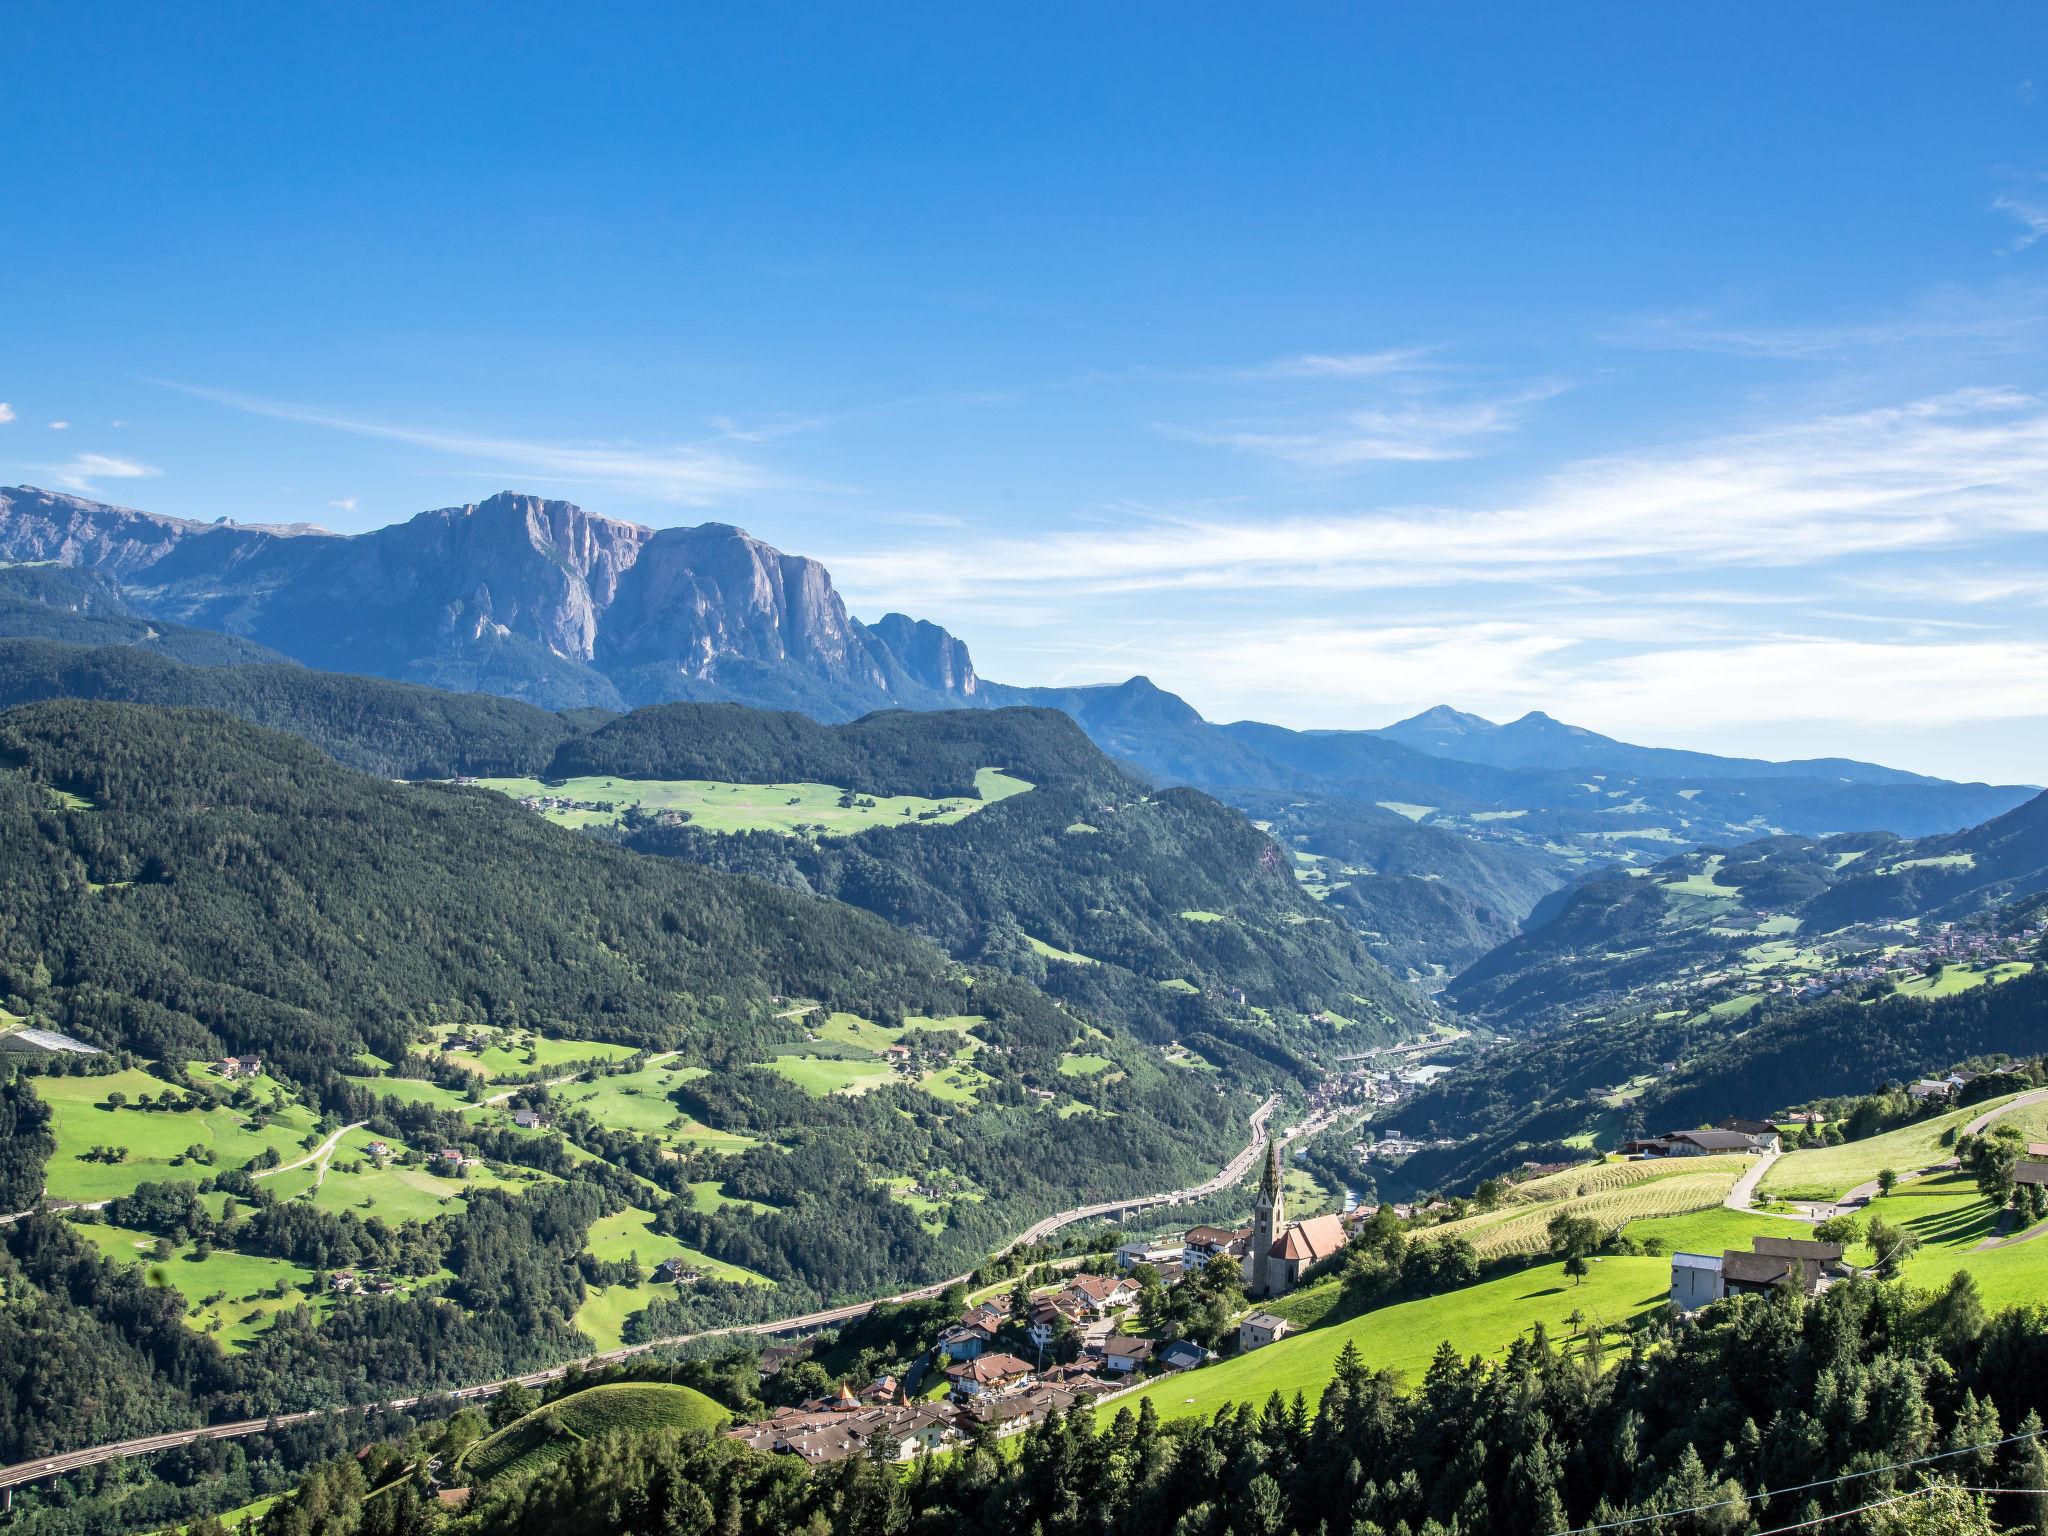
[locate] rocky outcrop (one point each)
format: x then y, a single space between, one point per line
520 595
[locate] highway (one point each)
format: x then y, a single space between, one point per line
808 1322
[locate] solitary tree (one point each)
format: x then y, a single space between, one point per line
1887 1180
1573 1238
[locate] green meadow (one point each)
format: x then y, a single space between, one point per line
515 1054
810 809
229 1296
1826 1173
155 1140
629 1234
398 1190
530 1444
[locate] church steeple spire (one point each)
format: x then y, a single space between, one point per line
1268 1221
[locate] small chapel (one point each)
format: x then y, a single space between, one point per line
1279 1253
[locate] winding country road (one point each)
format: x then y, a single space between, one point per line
1742 1197
71 1461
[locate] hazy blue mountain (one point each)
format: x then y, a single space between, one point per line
1538 741
79 607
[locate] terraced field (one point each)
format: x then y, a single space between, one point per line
1612 1194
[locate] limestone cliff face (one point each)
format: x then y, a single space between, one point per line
518 594
934 658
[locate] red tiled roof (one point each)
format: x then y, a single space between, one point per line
989 1369
1313 1240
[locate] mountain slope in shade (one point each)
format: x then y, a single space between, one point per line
517 595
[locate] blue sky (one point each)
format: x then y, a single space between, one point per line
1676 370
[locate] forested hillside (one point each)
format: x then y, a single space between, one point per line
394 730
1791 913
1525 1100
176 886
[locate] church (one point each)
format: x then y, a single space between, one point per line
1279 1254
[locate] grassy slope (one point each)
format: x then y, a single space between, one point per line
1823 1173
153 1137
251 1282
719 806
527 1444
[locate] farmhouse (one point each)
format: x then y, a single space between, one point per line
1201 1244
677 1271
1261 1329
1123 1354
1699 1278
379 1149
1279 1254
232 1067
528 1119
1104 1293
987 1373
1746 1127
2030 1171
1701 1143
1181 1355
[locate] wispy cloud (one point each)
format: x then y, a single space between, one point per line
60 426
1407 431
686 473
2007 319
2029 207
1342 365
345 504
6 413
1940 472
80 472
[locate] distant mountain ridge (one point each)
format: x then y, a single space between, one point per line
1436 836
516 595
1538 741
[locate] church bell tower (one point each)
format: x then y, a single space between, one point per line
1268 1219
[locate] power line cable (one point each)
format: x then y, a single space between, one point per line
1824 1482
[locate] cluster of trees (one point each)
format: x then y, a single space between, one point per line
1994 1159
394 730
892 752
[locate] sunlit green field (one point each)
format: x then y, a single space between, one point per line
1826 1173
524 1053
156 1140
399 1191
612 1238
632 1101
256 1289
812 809
822 1075
1480 1320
